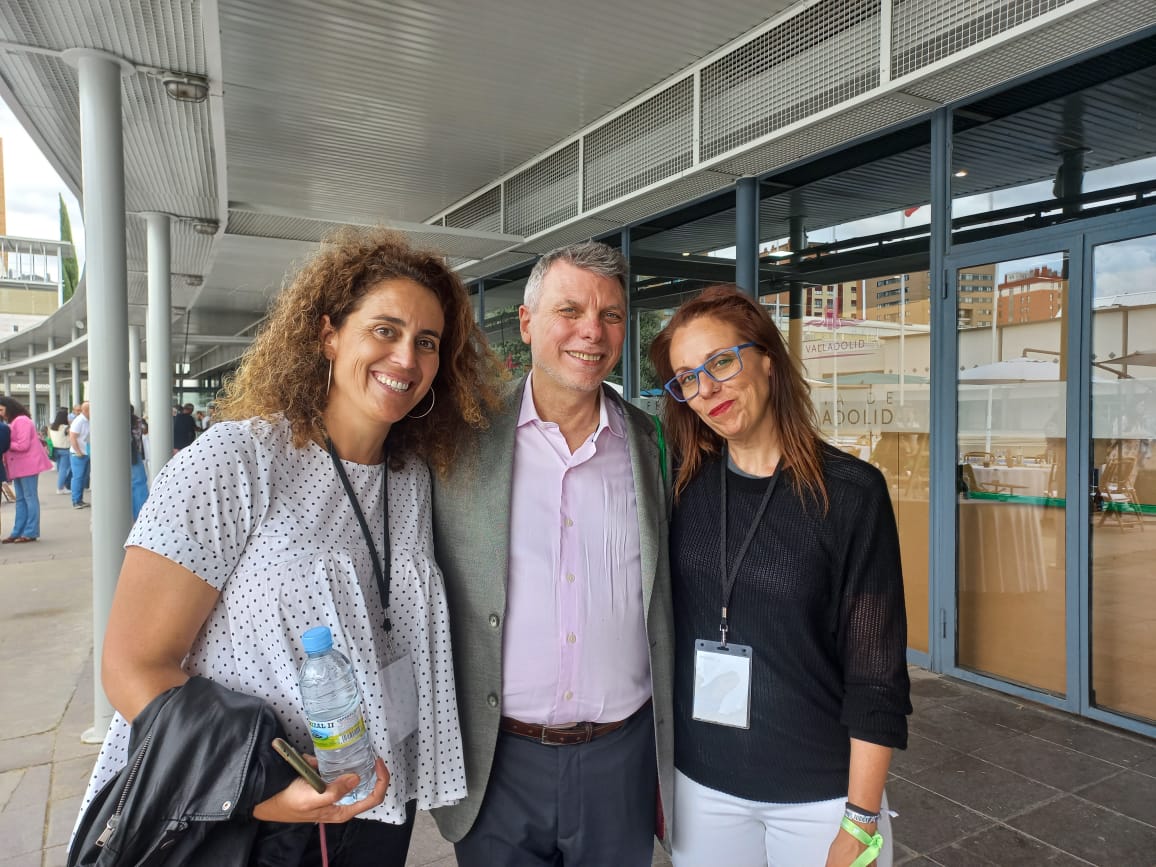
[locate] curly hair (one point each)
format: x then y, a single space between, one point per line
692 440
285 373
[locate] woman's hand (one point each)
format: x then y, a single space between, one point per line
299 803
845 848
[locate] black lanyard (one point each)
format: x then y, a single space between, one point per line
729 575
381 574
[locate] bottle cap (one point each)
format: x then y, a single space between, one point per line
317 640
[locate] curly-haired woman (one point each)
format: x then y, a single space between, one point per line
308 503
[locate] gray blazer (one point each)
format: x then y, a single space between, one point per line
471 516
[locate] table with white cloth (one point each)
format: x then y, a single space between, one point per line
1001 547
1026 481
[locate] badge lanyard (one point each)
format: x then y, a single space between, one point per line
380 572
729 575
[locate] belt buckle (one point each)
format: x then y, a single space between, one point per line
556 737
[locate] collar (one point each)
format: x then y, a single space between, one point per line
610 414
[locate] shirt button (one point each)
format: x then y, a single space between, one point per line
571 638
569 522
494 620
492 700
568 695
570 578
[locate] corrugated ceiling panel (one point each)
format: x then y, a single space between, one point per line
572 233
483 213
495 264
442 88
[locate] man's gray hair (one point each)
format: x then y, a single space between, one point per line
592 256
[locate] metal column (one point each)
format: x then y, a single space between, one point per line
482 304
160 347
102 159
134 338
32 389
630 348
795 324
747 235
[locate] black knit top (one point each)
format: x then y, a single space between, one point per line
819 599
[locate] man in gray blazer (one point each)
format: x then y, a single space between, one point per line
552 535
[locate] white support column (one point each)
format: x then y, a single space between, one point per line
8 383
134 396
160 346
75 373
53 397
102 160
32 389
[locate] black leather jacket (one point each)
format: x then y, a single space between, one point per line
199 761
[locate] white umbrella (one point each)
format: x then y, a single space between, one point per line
1020 370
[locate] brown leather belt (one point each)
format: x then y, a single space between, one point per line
564 736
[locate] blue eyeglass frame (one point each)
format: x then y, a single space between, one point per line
701 369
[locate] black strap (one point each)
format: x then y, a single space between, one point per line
729 575
381 574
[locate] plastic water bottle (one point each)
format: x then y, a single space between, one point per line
333 711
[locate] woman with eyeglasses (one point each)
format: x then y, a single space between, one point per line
791 685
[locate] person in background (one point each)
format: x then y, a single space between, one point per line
78 433
25 460
791 686
61 448
5 444
184 428
140 477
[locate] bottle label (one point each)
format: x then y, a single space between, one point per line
338 733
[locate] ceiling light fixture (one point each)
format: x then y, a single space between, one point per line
186 86
962 173
205 227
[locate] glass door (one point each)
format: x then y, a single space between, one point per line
1122 522
1011 459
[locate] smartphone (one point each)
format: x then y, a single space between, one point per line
302 767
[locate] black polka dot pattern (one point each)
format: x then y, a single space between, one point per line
270 526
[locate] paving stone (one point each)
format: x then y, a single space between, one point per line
1148 767
1007 711
29 859
24 752
427 844
952 728
57 856
61 820
32 790
8 782
22 829
1001 847
1129 793
1098 742
1047 762
70 777
926 685
927 821
1090 832
921 753
984 787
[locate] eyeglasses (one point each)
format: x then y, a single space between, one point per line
723 365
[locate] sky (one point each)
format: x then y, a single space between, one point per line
31 188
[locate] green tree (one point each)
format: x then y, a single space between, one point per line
70 270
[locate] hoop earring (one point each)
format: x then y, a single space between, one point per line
433 399
329 381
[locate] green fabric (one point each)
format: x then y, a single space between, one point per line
873 842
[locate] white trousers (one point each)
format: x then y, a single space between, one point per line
713 829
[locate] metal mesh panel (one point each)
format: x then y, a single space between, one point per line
825 55
483 213
543 195
1071 35
858 121
669 196
924 31
652 141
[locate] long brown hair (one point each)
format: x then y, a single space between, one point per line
692 441
285 372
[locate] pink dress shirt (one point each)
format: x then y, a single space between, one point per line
574 644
